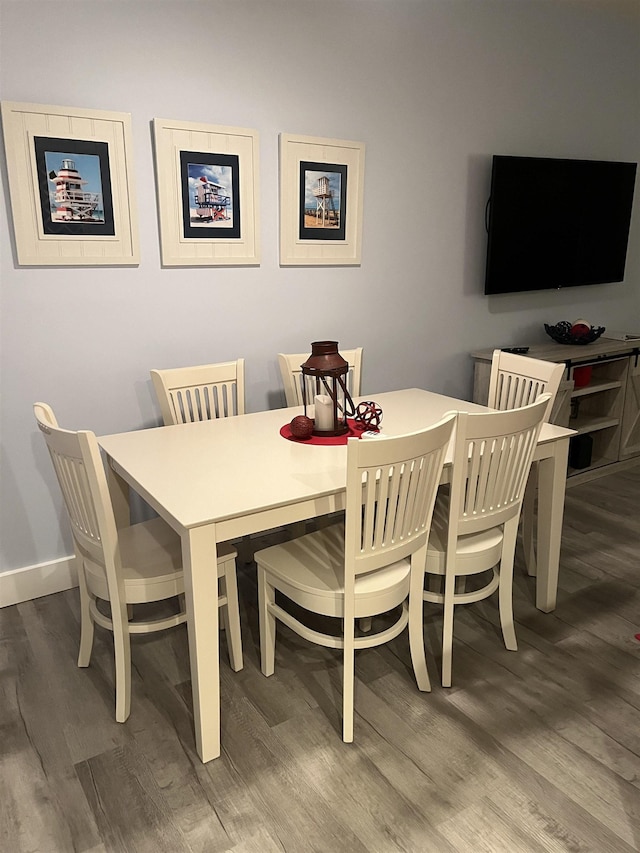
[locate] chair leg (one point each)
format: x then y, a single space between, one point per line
122 653
348 679
231 616
86 621
447 626
266 598
505 590
416 630
528 520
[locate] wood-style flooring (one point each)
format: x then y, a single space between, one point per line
535 750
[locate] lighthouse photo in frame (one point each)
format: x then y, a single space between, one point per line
210 195
71 182
208 204
74 181
321 201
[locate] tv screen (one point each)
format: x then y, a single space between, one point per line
556 223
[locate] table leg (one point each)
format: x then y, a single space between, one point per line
119 492
201 594
529 521
552 479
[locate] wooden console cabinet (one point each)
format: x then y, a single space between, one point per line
607 408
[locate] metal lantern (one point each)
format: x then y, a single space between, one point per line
324 389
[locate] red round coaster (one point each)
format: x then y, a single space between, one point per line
285 432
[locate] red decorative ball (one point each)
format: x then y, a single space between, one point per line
301 427
580 328
368 415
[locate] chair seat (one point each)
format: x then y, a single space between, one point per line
474 551
151 554
310 571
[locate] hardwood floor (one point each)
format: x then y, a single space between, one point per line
535 750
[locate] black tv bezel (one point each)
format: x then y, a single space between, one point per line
496 286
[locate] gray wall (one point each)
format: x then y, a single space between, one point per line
433 87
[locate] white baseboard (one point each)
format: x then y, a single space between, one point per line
35 581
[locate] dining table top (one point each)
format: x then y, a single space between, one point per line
209 471
221 479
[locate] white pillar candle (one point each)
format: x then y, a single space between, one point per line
323 409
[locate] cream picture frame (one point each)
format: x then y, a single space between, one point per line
222 229
321 201
59 217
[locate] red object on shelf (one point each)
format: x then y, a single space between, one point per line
580 328
582 375
354 431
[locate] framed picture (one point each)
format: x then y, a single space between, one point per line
207 178
321 201
71 185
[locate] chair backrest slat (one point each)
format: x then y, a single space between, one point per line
81 476
493 454
76 493
391 490
517 380
200 393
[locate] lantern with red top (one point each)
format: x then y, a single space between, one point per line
324 389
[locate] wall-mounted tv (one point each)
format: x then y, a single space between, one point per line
556 223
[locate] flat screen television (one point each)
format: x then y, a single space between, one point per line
556 223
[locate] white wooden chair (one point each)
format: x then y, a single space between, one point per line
128 566
515 381
475 520
290 369
200 393
369 565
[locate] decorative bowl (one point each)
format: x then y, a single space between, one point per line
562 334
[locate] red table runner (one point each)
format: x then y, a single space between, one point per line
354 432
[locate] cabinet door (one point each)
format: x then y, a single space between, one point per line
481 376
630 439
562 404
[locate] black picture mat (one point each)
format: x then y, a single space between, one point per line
42 144
322 233
210 159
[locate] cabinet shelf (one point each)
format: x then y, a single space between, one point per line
590 424
594 387
606 409
595 463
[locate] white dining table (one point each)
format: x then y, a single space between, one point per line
222 479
